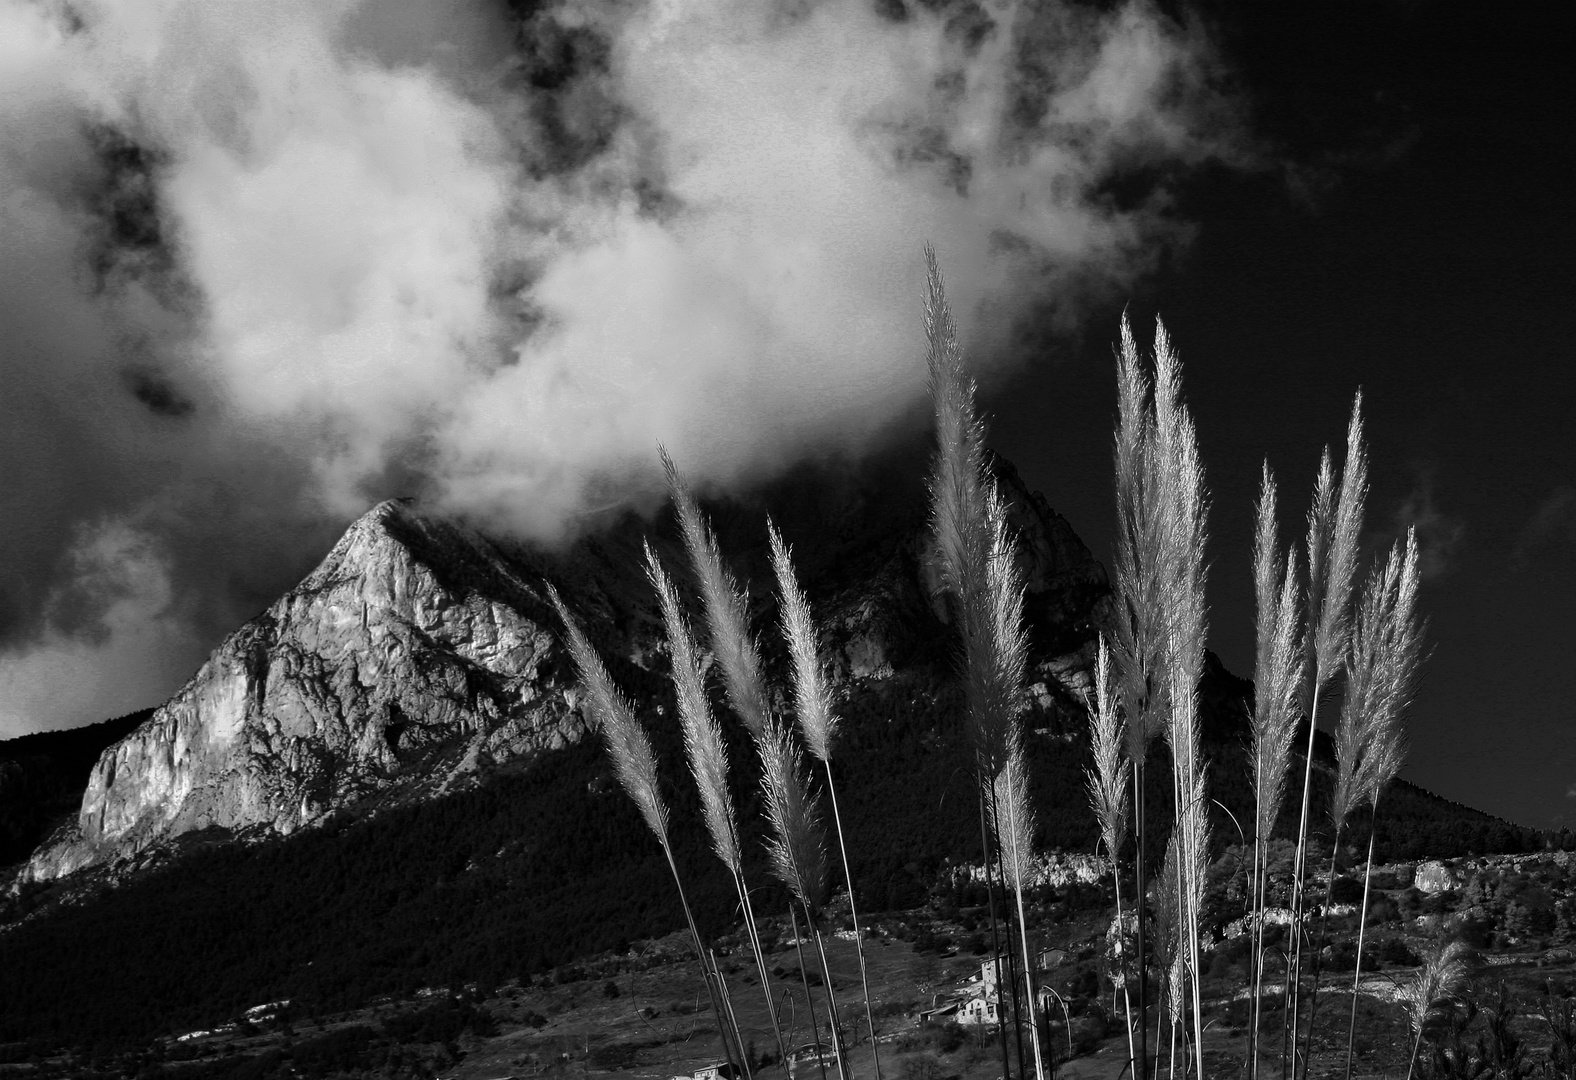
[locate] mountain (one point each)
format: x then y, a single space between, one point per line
419 653
383 782
411 638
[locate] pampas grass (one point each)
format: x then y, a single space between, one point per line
1180 489
797 850
1334 525
1014 835
709 764
979 573
818 725
636 768
727 614
1161 624
1383 663
1107 783
1438 985
1277 678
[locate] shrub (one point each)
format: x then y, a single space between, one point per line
1346 891
1396 951
951 1037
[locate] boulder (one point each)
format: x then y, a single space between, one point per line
1434 877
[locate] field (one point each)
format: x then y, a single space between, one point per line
644 1014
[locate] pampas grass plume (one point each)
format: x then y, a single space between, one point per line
627 744
1112 772
702 737
812 693
727 613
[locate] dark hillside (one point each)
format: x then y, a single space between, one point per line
539 867
43 776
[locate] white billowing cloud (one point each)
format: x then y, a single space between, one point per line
382 258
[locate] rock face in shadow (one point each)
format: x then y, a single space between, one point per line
420 654
413 636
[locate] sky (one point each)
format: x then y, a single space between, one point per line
263 265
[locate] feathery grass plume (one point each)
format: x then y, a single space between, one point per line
1144 581
1112 771
960 492
818 724
636 768
1277 678
627 744
1334 526
1329 636
955 482
1165 898
798 848
1107 783
702 737
1278 665
727 609
1385 655
1139 632
1437 987
1015 836
708 759
967 542
1179 492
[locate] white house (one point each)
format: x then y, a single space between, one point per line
721 1070
979 1010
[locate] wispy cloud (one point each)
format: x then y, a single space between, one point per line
1551 524
1439 535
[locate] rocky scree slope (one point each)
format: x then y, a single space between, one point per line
419 654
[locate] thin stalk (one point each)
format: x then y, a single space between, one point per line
1140 909
995 942
1007 953
1294 967
1127 1001
1256 914
727 1000
1023 935
831 1003
1318 950
760 964
723 1026
1411 1065
1362 926
1258 985
809 1002
853 914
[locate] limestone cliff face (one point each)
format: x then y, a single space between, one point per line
411 638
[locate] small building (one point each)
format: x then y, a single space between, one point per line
992 972
721 1070
805 1061
978 1010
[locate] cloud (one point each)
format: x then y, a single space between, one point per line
268 263
1439 535
1551 524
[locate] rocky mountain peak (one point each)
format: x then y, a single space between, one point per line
413 637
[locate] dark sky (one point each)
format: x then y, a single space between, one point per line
263 265
1417 241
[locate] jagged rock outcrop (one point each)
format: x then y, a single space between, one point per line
413 636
